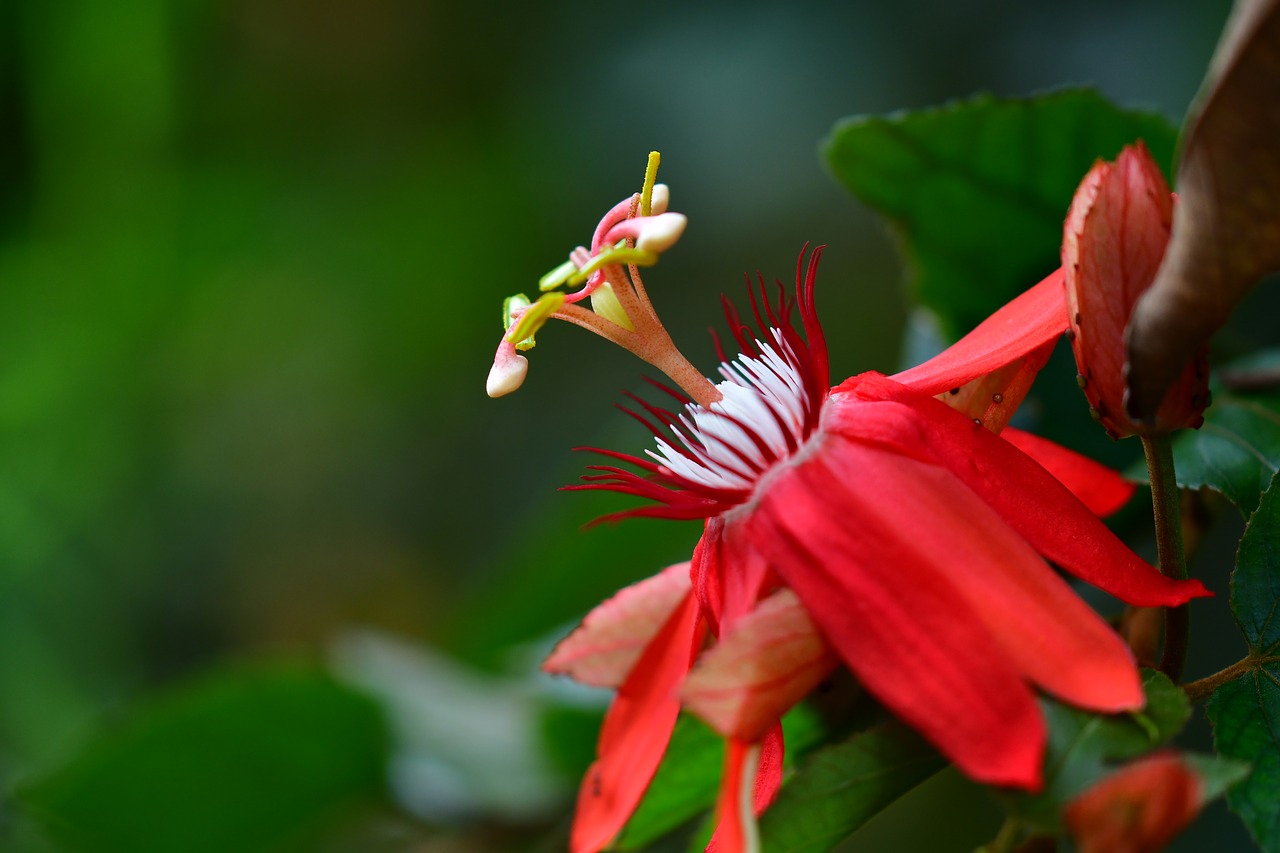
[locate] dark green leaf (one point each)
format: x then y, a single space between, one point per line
1219 774
979 189
246 760
1083 746
1237 450
842 786
1246 712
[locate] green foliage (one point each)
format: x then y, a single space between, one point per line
1084 746
842 786
978 189
1218 773
252 759
1237 450
1246 712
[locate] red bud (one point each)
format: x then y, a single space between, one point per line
1113 242
1138 809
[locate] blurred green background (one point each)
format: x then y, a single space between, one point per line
252 256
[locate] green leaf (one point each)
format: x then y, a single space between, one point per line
842 786
978 189
1083 746
1218 773
1246 712
253 759
688 779
1237 450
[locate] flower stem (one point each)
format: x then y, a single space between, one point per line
1202 689
1167 509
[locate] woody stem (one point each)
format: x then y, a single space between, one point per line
1167 508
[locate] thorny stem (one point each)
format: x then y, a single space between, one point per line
1167 509
1202 689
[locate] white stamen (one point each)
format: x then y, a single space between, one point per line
661 232
767 396
660 199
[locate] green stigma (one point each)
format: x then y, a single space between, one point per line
650 176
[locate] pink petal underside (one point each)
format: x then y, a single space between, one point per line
1041 509
636 731
1098 487
605 647
731 831
873 573
1028 322
767 663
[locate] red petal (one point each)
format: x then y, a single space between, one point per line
768 662
1099 488
605 647
844 531
734 833
993 397
1032 320
636 731
1022 492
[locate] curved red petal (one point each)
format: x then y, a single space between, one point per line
606 646
847 537
735 831
1041 509
636 731
1031 320
1098 487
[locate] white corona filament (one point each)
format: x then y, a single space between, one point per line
765 394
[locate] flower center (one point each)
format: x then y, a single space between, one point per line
760 419
710 455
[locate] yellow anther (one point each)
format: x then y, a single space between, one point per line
533 319
605 303
557 276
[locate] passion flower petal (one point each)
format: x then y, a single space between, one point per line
636 731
